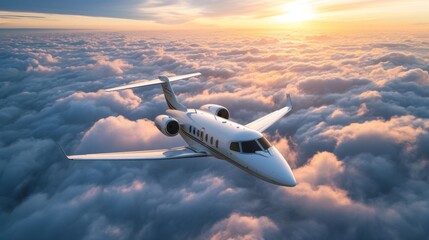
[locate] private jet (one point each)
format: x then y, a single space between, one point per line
209 132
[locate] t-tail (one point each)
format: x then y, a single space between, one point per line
169 94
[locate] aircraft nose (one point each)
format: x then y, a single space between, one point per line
287 178
284 174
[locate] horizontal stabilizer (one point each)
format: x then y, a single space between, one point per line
143 83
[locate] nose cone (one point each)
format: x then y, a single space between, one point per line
271 167
281 172
286 178
268 165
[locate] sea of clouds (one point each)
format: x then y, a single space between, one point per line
357 139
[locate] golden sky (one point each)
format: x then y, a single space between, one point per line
331 15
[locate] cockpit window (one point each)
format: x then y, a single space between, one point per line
264 143
234 146
250 146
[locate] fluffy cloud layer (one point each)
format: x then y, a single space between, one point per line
119 134
240 227
357 137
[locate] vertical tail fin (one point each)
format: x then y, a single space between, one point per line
170 96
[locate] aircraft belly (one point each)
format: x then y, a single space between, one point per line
252 172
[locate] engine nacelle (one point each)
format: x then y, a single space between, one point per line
217 110
167 125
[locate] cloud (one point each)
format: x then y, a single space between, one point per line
287 147
398 59
14 16
162 12
120 134
372 94
241 227
361 137
325 86
302 67
322 169
117 101
109 9
356 138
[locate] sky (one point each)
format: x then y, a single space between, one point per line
357 138
311 15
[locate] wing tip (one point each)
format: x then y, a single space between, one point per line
109 89
288 101
64 153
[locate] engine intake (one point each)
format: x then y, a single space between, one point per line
167 125
217 110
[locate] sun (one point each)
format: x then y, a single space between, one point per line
297 11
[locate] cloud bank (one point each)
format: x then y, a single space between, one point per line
357 137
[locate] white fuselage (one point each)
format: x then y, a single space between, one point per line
206 132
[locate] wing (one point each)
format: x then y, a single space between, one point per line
266 121
160 154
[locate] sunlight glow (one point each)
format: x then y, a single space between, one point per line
255 15
297 11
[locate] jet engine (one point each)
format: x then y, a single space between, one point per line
217 110
167 125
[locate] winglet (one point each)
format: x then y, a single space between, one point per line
288 101
62 150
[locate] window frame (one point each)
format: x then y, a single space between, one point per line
263 148
250 142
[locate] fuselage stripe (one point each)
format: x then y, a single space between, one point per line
203 143
170 105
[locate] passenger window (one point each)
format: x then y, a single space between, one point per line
207 137
202 135
193 131
217 143
190 128
250 146
211 140
198 132
264 143
234 146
